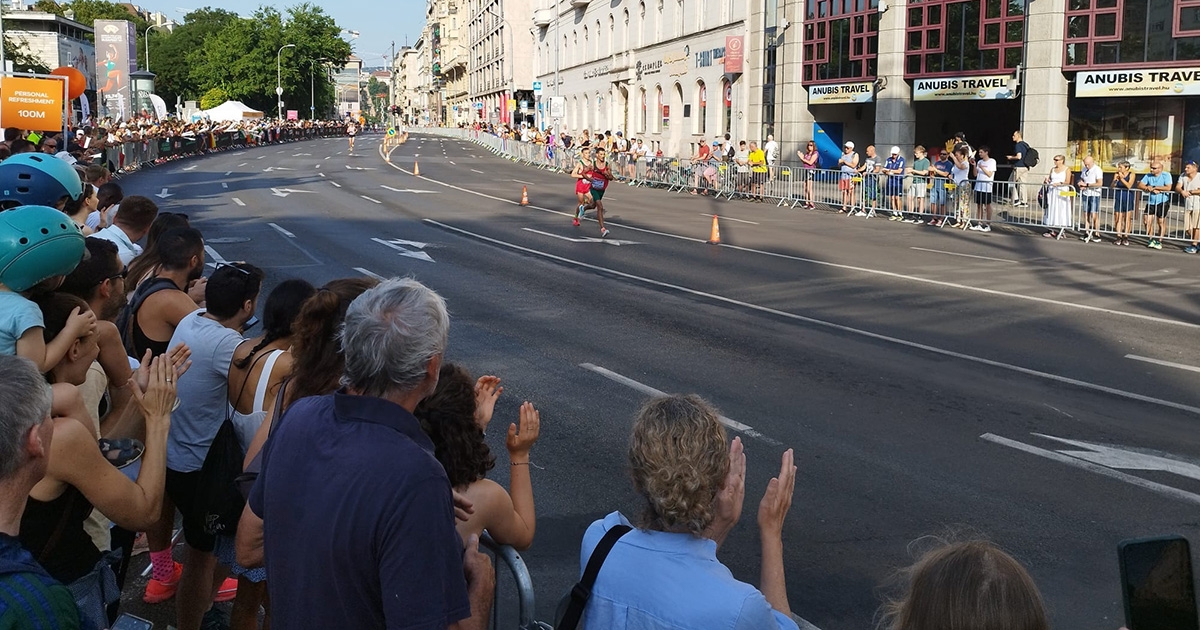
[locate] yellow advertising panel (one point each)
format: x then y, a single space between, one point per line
31 104
1168 82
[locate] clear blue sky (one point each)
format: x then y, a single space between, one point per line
379 22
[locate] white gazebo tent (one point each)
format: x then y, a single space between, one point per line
232 111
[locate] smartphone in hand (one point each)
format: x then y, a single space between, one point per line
1157 584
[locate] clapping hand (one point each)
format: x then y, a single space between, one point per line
487 390
731 496
778 498
157 398
519 443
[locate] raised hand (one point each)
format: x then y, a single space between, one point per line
487 390
731 496
157 398
519 443
778 498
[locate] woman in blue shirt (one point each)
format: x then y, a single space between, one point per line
665 574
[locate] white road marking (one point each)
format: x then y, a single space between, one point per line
725 218
650 391
938 251
336 184
819 322
824 263
260 157
242 164
321 174
399 246
521 181
477 171
283 192
452 163
238 201
214 258
370 199
227 173
1181 366
326 157
582 239
224 185
370 274
281 230
1127 457
1162 489
164 194
188 168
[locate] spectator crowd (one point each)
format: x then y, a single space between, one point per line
330 471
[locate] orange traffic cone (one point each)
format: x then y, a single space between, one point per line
416 169
524 196
715 237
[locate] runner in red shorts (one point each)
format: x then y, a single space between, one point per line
583 184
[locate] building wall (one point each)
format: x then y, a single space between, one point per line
499 50
649 68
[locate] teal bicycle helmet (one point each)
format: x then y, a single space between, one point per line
37 179
37 242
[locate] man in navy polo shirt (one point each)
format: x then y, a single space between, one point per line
357 514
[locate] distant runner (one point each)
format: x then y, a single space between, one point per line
352 130
600 175
583 184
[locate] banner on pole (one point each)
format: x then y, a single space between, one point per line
32 104
293 114
116 57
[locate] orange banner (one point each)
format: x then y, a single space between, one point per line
31 104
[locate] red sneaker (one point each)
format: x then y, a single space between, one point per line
158 592
227 591
576 222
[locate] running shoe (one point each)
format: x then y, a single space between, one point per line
975 227
604 233
1154 244
227 591
158 591
1191 249
985 228
1096 238
575 221
582 209
1125 242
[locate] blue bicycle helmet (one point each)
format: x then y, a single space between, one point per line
37 242
37 179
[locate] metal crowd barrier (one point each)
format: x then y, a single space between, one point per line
503 554
1059 209
131 156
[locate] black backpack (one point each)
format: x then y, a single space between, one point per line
1031 157
128 314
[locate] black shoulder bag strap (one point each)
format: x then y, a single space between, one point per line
582 591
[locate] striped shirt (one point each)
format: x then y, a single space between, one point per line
29 598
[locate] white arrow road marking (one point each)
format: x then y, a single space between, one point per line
1165 490
370 199
336 184
1128 457
281 230
276 168
164 194
1181 366
399 246
283 192
238 201
370 274
583 239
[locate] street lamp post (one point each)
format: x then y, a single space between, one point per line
146 36
312 87
278 78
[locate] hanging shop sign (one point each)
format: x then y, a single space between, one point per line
1166 82
835 93
985 88
734 53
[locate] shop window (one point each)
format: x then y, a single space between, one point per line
916 17
1187 18
1137 130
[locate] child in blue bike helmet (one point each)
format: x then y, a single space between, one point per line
37 179
39 246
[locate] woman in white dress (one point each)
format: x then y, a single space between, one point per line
1058 208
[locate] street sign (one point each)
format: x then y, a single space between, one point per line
478 104
391 131
537 87
512 103
279 91
524 104
558 106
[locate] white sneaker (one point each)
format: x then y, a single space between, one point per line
860 213
985 228
604 233
975 228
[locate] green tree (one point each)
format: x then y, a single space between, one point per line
86 12
213 97
173 53
17 51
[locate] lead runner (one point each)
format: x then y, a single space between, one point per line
600 175
583 185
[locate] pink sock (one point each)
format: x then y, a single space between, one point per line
164 565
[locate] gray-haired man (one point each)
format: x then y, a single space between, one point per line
32 598
350 489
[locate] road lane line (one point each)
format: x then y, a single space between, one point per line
841 327
243 164
370 199
321 174
521 181
650 391
281 230
824 263
938 251
238 201
370 274
1180 366
1145 484
260 157
214 258
336 184
725 218
224 185
452 163
227 173
477 171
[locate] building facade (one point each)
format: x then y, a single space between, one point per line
499 52
54 40
349 81
672 72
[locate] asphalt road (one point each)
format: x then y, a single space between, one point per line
932 382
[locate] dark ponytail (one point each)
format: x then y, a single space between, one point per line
282 308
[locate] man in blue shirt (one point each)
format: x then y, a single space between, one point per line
29 597
350 493
1158 203
894 167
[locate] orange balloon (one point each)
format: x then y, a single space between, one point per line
76 82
